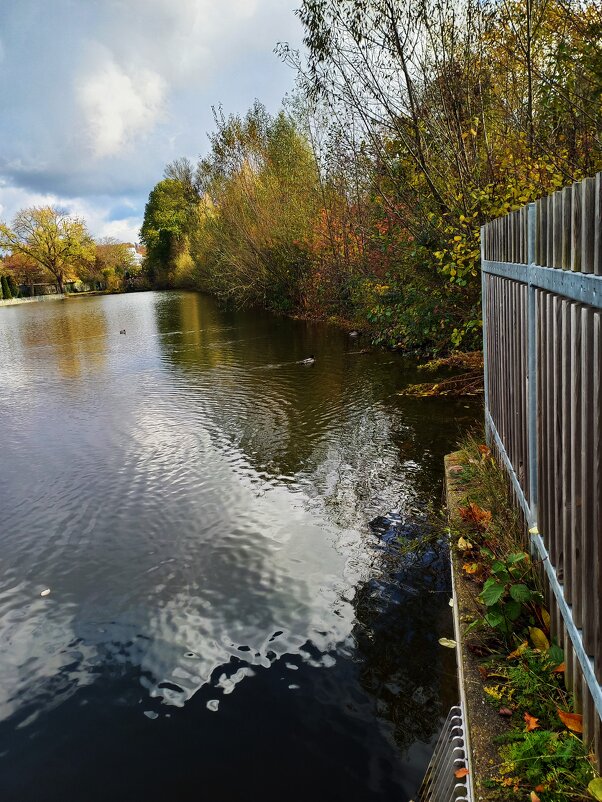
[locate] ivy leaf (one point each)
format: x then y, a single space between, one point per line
520 593
492 592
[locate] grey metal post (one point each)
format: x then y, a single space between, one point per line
484 319
532 368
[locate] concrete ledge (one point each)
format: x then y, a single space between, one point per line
482 722
17 301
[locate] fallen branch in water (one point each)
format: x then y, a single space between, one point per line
468 383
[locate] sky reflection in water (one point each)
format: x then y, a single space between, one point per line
226 603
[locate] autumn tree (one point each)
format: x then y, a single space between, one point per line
58 242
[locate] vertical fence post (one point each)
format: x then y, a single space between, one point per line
484 328
532 368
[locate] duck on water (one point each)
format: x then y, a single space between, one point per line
309 361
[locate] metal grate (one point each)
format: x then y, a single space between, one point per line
440 783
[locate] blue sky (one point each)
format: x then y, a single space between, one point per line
96 96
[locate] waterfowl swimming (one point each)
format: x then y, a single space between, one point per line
122 331
354 333
309 361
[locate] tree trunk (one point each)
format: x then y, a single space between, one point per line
59 283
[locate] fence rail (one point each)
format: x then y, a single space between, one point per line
542 317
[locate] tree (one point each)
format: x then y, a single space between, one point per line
58 242
6 293
170 216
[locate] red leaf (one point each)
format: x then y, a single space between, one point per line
461 773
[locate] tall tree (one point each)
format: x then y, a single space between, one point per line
58 242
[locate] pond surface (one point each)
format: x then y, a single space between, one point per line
230 616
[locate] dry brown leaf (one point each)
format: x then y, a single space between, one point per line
461 773
534 797
464 545
572 721
505 711
559 669
475 516
531 723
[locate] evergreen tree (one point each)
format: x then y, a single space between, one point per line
6 293
13 286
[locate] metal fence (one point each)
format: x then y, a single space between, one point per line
440 783
542 296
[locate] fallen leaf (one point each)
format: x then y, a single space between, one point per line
461 773
531 723
538 639
470 568
518 651
483 672
451 602
559 669
448 642
463 544
475 515
540 788
545 618
595 788
573 721
485 452
534 797
505 711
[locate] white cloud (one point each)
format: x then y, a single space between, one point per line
117 106
111 91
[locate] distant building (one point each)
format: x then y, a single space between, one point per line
138 252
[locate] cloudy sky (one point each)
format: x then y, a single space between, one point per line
96 96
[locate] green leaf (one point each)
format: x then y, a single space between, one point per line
516 558
512 609
595 788
556 655
492 592
494 618
520 593
499 569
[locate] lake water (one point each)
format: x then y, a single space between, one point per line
230 617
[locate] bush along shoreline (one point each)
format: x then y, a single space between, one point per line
536 751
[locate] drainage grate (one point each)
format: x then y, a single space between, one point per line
440 783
